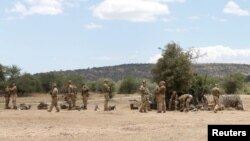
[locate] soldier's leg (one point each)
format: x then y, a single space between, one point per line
14 101
56 105
69 101
216 102
85 101
51 106
106 102
163 104
7 101
188 103
160 104
176 105
158 98
148 104
73 99
141 108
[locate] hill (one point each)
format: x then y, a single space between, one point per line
144 70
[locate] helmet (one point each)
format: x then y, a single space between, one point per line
69 81
162 83
144 81
106 80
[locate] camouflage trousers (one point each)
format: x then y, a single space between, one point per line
13 98
175 102
145 103
216 103
85 100
70 100
161 104
54 104
7 101
106 100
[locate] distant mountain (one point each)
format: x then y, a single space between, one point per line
144 70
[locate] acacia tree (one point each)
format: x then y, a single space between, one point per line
174 67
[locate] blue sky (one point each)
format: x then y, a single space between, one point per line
48 35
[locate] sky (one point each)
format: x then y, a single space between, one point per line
52 35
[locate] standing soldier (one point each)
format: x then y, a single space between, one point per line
70 94
144 97
85 95
13 94
216 96
106 90
185 102
162 100
173 98
53 94
7 97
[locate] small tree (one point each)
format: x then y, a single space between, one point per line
233 82
128 86
174 67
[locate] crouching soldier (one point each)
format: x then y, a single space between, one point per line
54 93
185 102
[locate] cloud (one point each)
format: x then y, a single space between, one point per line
223 54
105 58
217 54
182 29
233 8
130 10
172 1
40 7
92 26
154 58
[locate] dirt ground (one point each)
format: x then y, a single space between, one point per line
121 124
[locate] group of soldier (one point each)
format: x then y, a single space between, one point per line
70 97
183 101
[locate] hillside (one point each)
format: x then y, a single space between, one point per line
144 70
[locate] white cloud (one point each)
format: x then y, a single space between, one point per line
172 1
233 8
154 58
217 54
223 54
182 29
92 26
105 58
130 10
41 7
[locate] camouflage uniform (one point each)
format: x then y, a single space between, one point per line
85 95
162 101
70 94
216 96
13 94
7 97
106 91
157 97
144 97
173 98
54 99
185 102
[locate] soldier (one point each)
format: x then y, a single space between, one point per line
173 98
162 101
106 90
7 97
85 95
13 94
54 93
144 97
185 100
216 96
70 94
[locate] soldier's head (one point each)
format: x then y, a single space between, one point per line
162 83
144 82
174 92
106 81
53 85
216 85
69 82
13 84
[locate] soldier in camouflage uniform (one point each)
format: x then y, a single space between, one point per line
7 97
13 94
185 100
106 90
162 101
216 96
54 103
173 98
85 95
70 94
144 97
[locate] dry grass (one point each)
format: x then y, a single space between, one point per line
121 124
